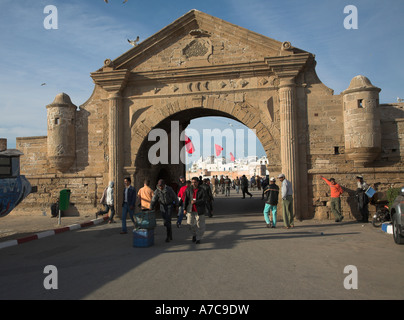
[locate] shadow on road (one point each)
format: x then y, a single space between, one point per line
88 260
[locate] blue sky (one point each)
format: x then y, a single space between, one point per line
91 31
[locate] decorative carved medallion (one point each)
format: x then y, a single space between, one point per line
199 48
196 48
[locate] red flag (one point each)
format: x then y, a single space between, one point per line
189 145
232 157
218 149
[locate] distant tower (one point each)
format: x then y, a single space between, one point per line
61 132
362 121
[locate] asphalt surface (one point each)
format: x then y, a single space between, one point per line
238 259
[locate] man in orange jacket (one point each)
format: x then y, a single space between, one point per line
336 192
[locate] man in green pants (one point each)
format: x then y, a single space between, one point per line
336 192
287 201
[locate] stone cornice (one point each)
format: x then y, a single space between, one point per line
289 66
111 80
354 90
208 73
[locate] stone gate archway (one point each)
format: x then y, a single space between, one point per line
189 69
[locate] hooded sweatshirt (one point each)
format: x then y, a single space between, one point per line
110 194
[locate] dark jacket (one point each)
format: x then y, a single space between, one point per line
244 182
362 198
201 197
131 196
208 195
166 196
208 190
271 192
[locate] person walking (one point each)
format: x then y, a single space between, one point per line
168 200
362 198
107 200
244 186
195 206
258 182
253 183
227 185
180 215
181 199
217 186
287 201
237 184
128 205
271 192
145 195
221 184
209 197
182 182
213 184
336 192
265 183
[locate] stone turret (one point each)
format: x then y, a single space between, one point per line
362 121
61 132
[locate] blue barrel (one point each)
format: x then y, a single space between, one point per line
143 238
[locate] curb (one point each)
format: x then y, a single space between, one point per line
53 232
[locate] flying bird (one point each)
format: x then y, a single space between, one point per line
43 84
106 1
134 42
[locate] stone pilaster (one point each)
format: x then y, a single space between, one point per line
113 81
289 138
286 67
115 148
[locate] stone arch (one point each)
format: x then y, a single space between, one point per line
188 108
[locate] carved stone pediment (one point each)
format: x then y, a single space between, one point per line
198 40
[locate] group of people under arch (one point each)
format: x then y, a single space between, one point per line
194 199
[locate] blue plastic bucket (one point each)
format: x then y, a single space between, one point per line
143 238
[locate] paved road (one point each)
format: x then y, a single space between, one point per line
239 258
